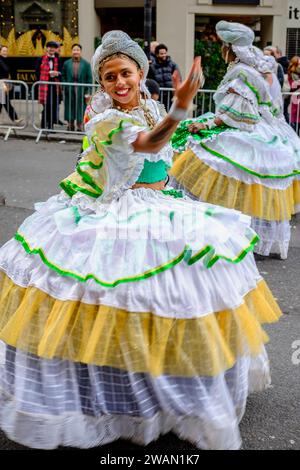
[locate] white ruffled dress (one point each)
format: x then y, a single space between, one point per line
129 313
255 160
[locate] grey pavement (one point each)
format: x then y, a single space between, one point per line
31 172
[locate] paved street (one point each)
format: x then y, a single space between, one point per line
31 172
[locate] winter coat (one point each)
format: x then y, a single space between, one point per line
162 72
74 100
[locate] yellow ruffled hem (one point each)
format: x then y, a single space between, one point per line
34 322
213 187
296 192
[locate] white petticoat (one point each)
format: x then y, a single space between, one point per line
47 403
177 229
268 150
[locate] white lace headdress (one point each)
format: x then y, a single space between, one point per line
115 42
241 38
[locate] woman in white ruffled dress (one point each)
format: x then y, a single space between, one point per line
245 156
128 310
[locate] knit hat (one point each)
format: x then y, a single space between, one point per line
114 42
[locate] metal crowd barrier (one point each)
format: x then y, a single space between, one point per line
63 108
289 99
203 101
14 105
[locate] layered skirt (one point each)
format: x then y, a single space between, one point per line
254 172
129 320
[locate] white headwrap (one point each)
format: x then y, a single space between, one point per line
115 42
241 38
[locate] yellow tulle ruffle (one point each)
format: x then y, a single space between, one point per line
252 199
296 191
34 322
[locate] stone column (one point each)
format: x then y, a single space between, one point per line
279 32
266 30
177 31
89 27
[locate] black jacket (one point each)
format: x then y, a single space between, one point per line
4 68
162 72
284 62
280 74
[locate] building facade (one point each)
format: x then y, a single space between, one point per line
178 22
26 25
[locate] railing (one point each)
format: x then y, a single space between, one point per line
203 101
63 110
61 102
14 99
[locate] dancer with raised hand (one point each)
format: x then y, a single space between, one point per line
245 156
128 310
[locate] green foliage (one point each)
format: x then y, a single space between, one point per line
97 42
214 67
140 42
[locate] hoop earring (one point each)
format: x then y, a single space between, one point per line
104 99
138 94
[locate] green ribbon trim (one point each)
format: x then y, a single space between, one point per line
244 77
181 135
237 113
76 214
209 212
244 168
86 177
211 259
62 272
184 255
85 143
90 164
72 188
172 192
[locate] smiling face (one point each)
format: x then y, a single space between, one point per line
120 78
76 52
51 50
4 51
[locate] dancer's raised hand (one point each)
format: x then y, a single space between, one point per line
186 90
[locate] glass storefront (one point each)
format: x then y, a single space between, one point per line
26 26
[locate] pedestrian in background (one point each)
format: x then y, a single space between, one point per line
284 62
270 50
5 88
294 81
48 69
162 71
153 45
153 87
76 70
60 97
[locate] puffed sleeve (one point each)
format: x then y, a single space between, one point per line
109 164
237 106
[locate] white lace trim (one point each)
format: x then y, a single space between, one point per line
131 167
213 424
274 237
239 87
232 171
243 126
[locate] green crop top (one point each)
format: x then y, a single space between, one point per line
153 172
